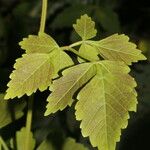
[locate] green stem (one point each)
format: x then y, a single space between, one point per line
71 45
76 44
43 16
2 142
77 53
29 121
71 49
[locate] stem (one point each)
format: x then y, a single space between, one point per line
76 44
2 142
71 45
43 16
77 53
71 49
29 121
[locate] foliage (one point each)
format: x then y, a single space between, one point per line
22 136
90 75
7 110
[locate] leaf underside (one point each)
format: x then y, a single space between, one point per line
32 72
64 88
104 104
118 48
85 27
89 52
36 69
43 43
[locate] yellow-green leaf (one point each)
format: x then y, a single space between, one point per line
43 43
85 27
89 52
32 72
25 140
70 144
64 88
36 71
104 104
60 60
118 48
6 113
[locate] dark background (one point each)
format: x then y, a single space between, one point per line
19 18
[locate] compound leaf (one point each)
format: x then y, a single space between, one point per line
118 48
70 144
25 140
64 88
85 27
43 43
88 52
104 103
7 110
32 72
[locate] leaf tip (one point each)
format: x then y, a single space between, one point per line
46 113
7 96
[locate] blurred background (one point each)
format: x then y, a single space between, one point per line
19 18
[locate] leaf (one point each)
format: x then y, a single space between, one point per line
36 71
64 88
70 144
85 27
6 111
118 48
32 72
39 44
60 60
45 145
104 104
88 52
22 137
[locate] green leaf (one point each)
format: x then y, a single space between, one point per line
89 52
6 111
64 88
60 60
36 71
22 137
70 144
85 27
32 72
118 48
45 145
43 43
104 104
